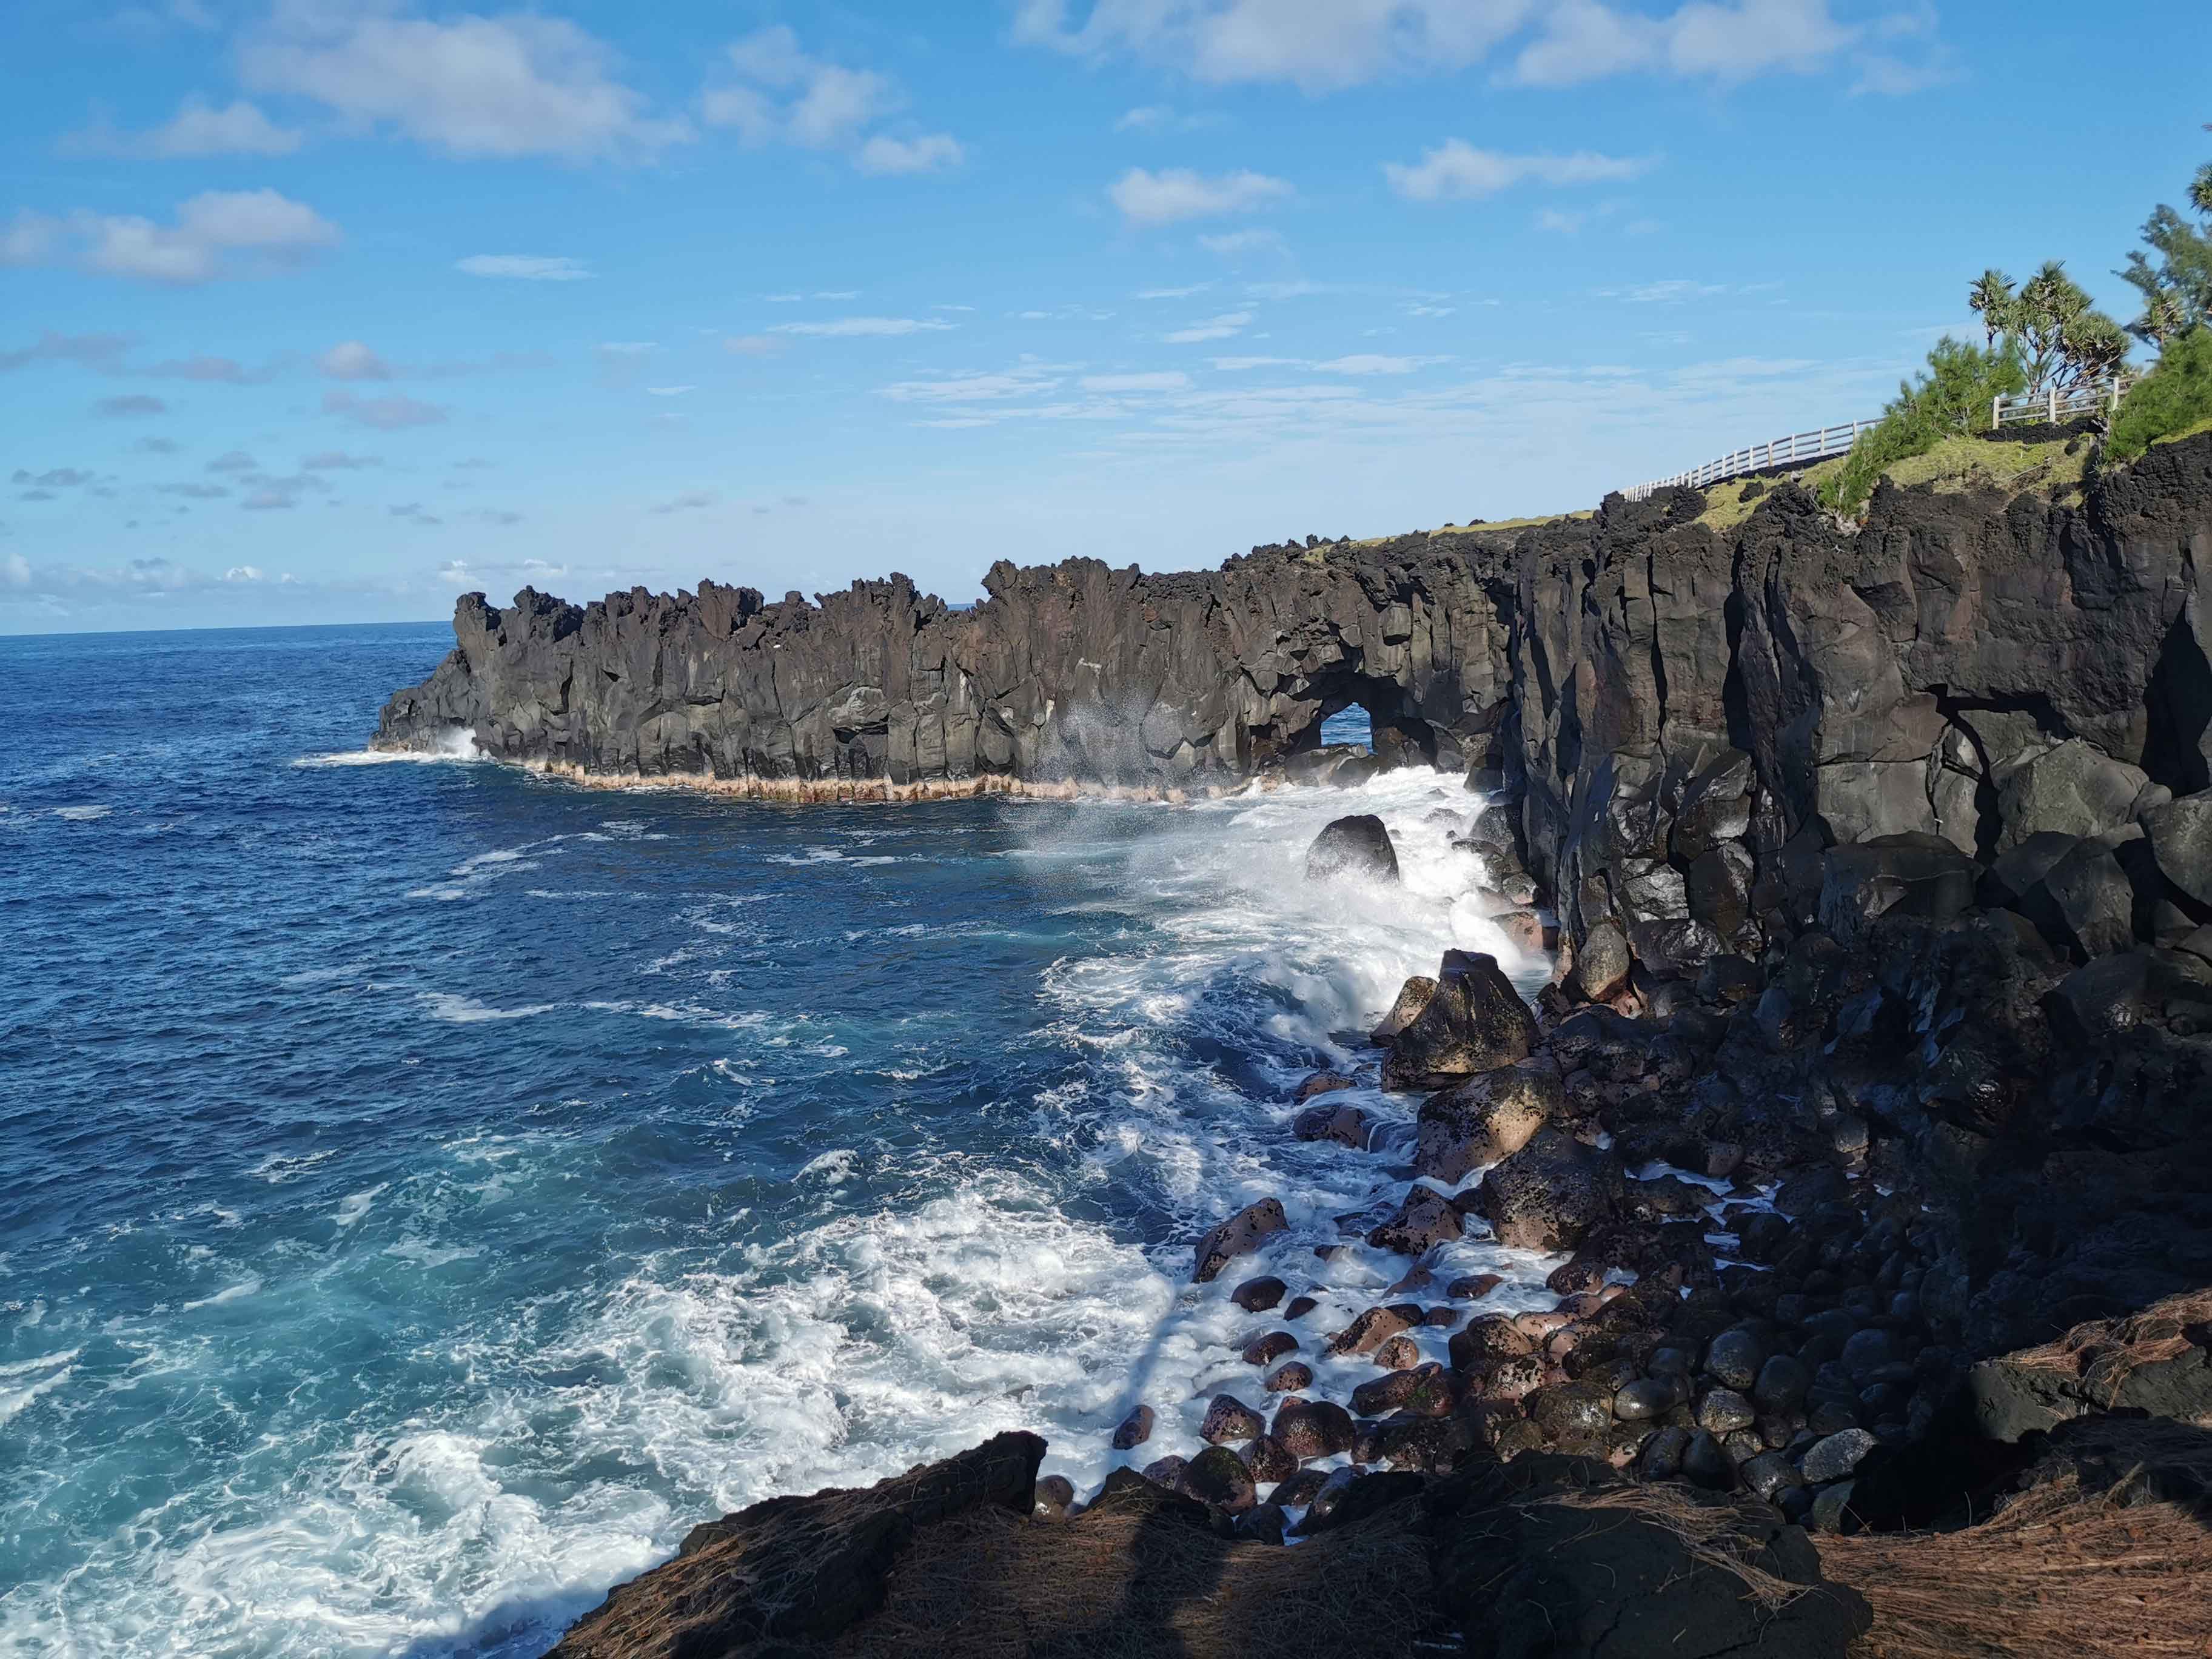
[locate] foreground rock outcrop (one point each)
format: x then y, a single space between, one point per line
1551 1556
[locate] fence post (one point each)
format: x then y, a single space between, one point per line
2054 405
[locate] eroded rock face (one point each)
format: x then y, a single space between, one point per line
1072 672
797 1568
1523 1567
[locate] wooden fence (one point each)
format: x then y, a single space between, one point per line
1804 448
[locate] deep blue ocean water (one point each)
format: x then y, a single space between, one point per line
426 1190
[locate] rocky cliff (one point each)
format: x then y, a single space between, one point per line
1074 673
1882 861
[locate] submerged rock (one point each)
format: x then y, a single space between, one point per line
1241 1235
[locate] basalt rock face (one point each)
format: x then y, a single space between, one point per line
1074 672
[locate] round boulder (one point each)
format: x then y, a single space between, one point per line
1357 845
1549 1195
1216 1477
1228 1418
1488 1117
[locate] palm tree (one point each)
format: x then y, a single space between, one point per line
1990 296
2200 191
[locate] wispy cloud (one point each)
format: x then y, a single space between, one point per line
1230 323
1176 194
523 267
216 235
389 414
1456 171
510 86
865 327
197 129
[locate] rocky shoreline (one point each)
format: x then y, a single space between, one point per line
1866 1107
1743 1355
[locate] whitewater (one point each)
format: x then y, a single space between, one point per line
443 1187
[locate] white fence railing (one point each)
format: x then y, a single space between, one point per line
1754 457
1805 447
2055 405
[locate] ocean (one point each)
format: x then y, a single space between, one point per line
428 1190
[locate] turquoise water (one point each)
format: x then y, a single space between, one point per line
430 1189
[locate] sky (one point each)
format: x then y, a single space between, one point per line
326 311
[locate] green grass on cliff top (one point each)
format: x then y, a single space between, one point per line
1476 529
1954 465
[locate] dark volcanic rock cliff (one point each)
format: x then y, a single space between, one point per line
1076 672
1900 837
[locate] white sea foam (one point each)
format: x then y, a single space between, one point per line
456 1009
884 1331
82 814
456 744
249 1285
357 1204
27 1380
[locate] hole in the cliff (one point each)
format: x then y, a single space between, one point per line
1354 726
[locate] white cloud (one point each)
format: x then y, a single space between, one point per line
1174 194
1214 328
523 267
351 359
197 129
780 94
1583 40
928 154
1316 43
864 327
1324 44
1368 363
1237 245
242 572
218 234
337 460
508 86
383 413
1672 290
1172 380
669 390
1174 293
1159 117
1456 171
1021 381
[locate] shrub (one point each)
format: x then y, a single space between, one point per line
1951 397
2173 397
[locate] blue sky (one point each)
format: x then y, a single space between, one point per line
328 310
